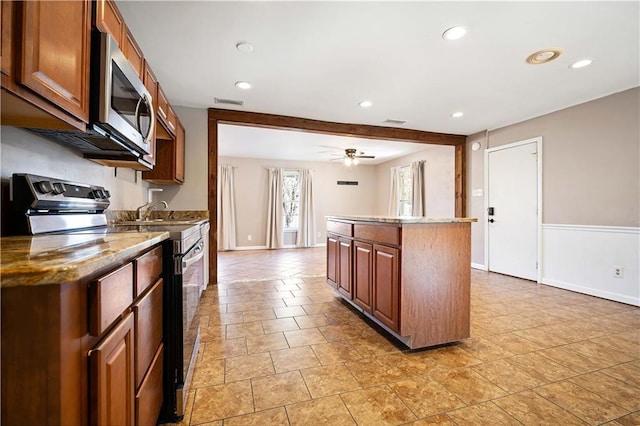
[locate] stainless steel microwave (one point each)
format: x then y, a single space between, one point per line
121 114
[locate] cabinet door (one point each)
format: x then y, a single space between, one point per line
179 158
345 259
132 52
151 83
332 259
111 381
148 317
6 20
110 21
362 275
55 53
386 289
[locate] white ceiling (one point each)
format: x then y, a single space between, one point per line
320 59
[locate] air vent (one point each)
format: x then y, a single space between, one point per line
228 101
393 121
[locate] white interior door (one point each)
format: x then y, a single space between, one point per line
512 231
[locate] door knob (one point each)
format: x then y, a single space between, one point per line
491 220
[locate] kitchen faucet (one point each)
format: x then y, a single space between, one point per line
149 206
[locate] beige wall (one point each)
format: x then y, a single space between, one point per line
440 188
590 164
330 199
24 152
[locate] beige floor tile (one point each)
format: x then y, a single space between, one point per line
377 406
280 324
312 321
244 329
273 417
306 337
486 413
373 371
542 337
600 352
449 357
340 332
335 352
628 373
208 373
425 397
533 410
324 411
218 402
266 343
212 333
255 305
611 389
247 367
628 347
297 301
294 359
373 346
278 390
329 380
632 419
439 419
468 385
224 319
224 349
580 402
258 315
574 360
540 367
290 311
484 349
507 376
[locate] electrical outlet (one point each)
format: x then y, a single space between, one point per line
618 272
249 237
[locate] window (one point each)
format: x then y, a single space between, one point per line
404 197
291 199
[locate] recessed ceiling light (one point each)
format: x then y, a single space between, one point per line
544 56
365 104
454 33
457 114
581 64
243 85
244 46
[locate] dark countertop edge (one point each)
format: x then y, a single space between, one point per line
403 219
69 273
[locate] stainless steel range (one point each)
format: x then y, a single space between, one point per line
42 205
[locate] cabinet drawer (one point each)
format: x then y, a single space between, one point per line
109 296
384 234
341 228
148 269
150 396
148 329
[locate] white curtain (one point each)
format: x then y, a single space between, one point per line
394 192
307 228
418 201
226 209
274 209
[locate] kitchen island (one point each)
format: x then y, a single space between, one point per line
410 275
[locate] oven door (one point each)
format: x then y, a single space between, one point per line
192 282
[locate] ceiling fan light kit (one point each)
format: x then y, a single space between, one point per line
351 157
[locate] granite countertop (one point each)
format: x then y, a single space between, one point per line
56 259
403 219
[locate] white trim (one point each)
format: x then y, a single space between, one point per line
593 228
479 266
241 248
592 292
538 141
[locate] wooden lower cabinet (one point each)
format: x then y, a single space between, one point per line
345 260
332 259
111 379
150 393
363 275
386 288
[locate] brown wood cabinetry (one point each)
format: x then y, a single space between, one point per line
46 68
151 83
132 52
411 278
85 352
169 160
109 20
111 379
386 292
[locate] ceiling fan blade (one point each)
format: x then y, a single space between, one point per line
365 156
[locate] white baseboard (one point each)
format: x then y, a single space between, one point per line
582 258
479 266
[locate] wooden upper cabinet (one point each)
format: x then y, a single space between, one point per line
110 21
180 136
151 83
169 169
166 117
6 20
132 52
56 42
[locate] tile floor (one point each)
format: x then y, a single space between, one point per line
288 351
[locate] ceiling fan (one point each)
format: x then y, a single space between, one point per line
351 156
